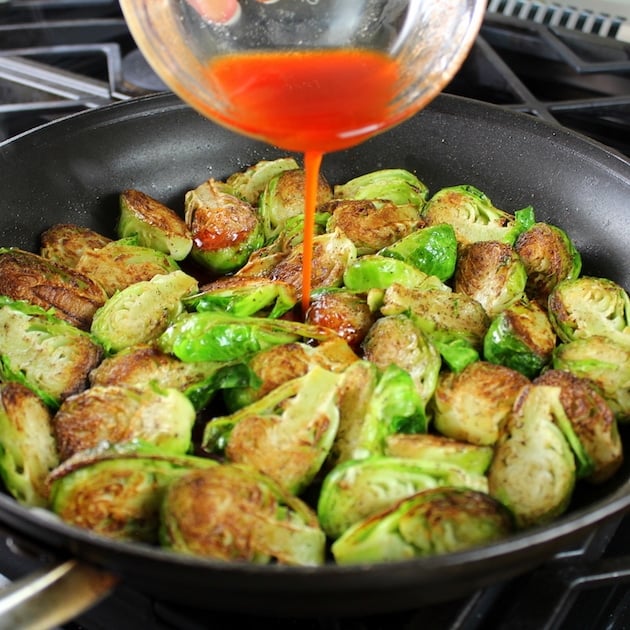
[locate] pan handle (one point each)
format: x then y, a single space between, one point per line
51 596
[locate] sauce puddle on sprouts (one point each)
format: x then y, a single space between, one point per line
311 102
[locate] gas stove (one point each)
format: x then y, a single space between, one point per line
567 64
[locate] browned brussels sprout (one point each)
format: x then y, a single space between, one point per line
225 229
27 446
116 414
549 257
471 405
154 224
72 295
250 183
64 243
432 522
231 512
533 471
492 273
116 491
600 452
371 224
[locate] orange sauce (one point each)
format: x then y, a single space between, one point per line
312 102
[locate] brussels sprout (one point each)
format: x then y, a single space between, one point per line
357 489
492 273
143 365
72 295
142 311
213 336
27 446
371 224
287 434
332 253
394 184
455 322
116 414
374 271
346 312
473 216
225 229
432 522
154 224
64 243
604 362
117 491
292 232
244 296
45 353
533 470
283 198
549 257
431 249
471 405
589 306
396 339
600 452
373 405
272 367
122 263
231 512
521 337
472 458
250 183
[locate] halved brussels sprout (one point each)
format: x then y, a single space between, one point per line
455 322
214 336
27 446
394 184
45 353
492 273
375 404
244 296
603 361
287 434
533 471
283 199
332 253
474 217
154 224
64 243
521 337
232 512
432 249
142 311
373 271
346 312
250 183
225 229
435 521
122 263
116 414
601 451
272 367
72 295
471 405
117 491
144 365
357 489
589 306
549 256
472 458
371 224
396 339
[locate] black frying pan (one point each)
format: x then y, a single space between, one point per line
73 170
